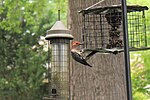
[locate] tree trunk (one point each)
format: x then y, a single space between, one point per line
106 79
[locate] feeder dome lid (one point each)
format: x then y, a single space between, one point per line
58 30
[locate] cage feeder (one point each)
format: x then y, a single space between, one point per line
59 39
102 28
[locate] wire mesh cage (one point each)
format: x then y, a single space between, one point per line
60 68
102 28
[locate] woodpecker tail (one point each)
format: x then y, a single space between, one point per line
79 58
89 65
85 63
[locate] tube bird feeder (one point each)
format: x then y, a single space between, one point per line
59 40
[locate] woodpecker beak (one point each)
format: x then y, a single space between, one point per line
76 43
81 43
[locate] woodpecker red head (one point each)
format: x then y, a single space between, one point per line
76 44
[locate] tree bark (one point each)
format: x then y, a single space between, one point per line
106 79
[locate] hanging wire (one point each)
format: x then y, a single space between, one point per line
58 14
58 8
95 4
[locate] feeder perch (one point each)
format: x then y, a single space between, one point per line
102 28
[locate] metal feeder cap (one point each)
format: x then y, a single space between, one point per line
58 30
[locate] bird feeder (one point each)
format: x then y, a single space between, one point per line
102 28
59 40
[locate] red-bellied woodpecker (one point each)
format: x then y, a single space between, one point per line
77 55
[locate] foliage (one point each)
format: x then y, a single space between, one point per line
147 13
140 66
140 69
22 23
140 75
140 96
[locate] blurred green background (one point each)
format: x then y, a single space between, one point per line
23 49
140 62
